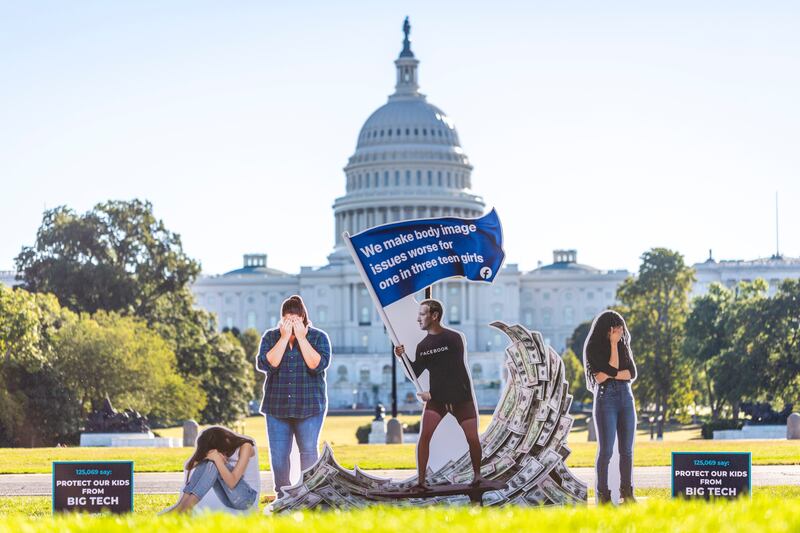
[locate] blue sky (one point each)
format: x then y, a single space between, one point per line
608 127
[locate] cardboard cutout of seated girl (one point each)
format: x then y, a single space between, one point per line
438 359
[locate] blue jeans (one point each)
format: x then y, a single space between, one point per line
280 432
205 477
615 415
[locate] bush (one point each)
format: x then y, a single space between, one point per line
715 425
362 433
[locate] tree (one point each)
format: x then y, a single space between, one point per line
578 338
120 357
29 387
777 332
250 340
741 369
116 257
119 257
655 306
707 338
228 383
573 373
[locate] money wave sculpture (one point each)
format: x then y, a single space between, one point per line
523 447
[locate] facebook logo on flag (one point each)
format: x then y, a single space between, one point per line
403 258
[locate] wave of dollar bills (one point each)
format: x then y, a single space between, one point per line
524 446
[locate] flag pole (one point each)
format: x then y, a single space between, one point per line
381 312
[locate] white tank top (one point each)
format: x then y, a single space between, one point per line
251 473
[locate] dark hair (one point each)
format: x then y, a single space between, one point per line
597 342
434 306
217 438
294 305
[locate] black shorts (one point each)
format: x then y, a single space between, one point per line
462 411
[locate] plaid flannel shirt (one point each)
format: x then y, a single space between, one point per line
292 390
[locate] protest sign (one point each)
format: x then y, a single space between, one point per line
92 486
398 260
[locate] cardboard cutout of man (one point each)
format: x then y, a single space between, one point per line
441 353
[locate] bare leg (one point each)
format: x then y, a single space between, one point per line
430 420
470 428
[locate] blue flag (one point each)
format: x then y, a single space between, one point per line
403 258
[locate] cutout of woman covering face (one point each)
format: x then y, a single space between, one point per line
610 370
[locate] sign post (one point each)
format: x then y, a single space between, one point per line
93 486
707 475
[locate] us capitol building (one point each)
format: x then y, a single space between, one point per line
409 163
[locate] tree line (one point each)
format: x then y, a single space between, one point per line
105 309
716 351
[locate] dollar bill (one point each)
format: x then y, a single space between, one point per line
563 426
531 468
520 416
564 478
518 359
534 428
536 496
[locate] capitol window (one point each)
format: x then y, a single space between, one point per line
416 131
396 178
364 319
477 371
251 319
408 177
454 315
569 315
430 178
527 318
364 375
424 131
546 296
590 296
568 296
342 373
419 177
408 132
439 178
546 317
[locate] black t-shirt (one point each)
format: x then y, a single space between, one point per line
442 356
598 355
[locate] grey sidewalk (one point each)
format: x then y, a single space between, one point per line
171 482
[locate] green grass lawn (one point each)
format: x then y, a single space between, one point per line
340 432
776 510
399 456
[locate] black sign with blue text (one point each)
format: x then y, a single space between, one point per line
93 486
708 475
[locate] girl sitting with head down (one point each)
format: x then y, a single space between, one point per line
224 462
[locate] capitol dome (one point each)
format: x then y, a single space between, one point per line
408 162
408 121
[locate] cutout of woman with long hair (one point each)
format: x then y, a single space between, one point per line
610 369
